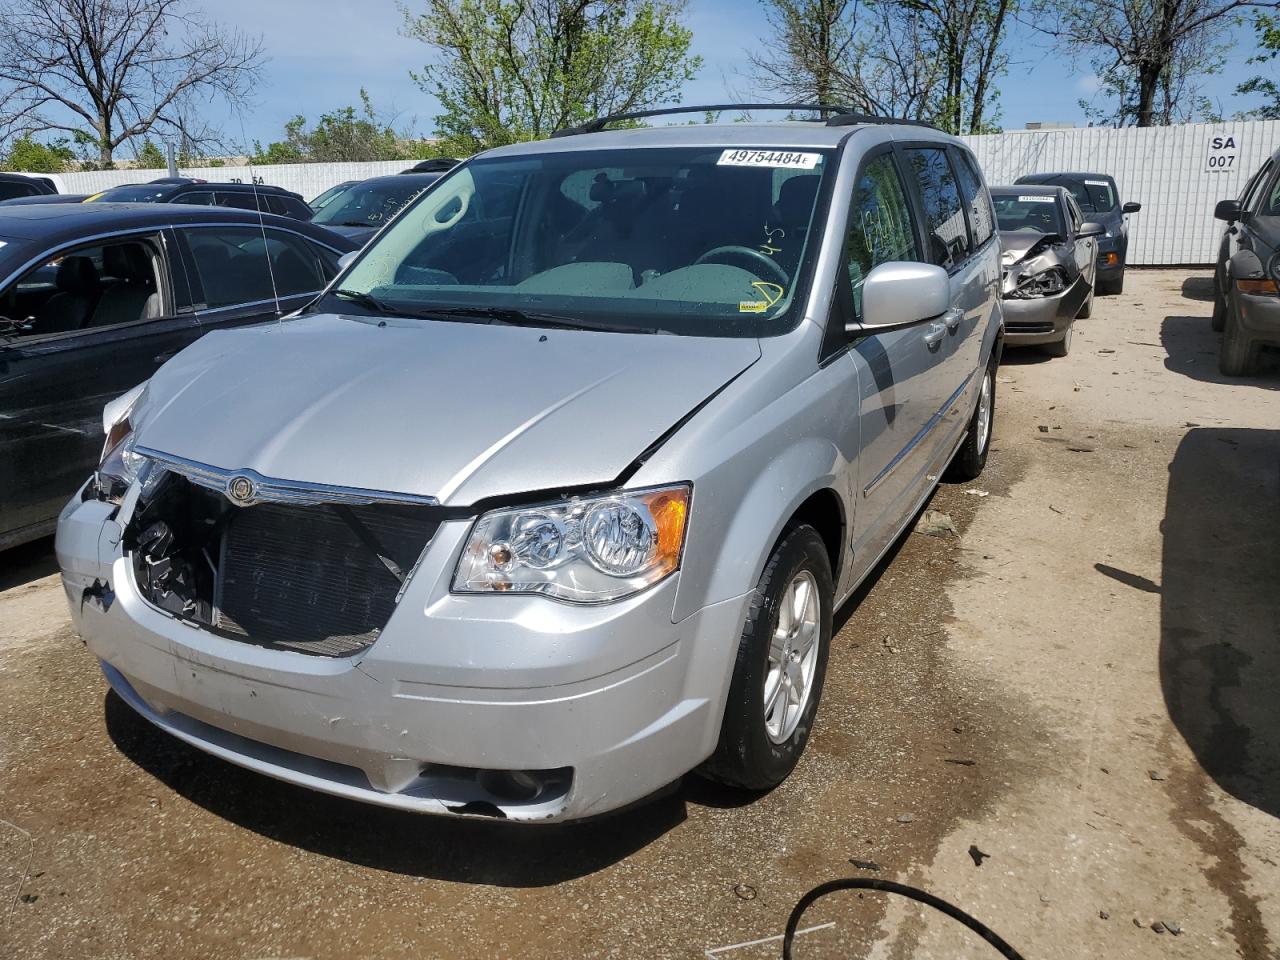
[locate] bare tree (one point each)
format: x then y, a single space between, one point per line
1148 53
924 59
119 68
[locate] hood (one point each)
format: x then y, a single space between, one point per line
456 411
1017 245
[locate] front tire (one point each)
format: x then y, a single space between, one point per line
1113 285
781 665
971 458
1219 321
1238 355
1060 348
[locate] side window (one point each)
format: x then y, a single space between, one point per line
235 265
945 229
1251 188
880 226
237 201
203 198
10 189
1074 216
103 285
976 198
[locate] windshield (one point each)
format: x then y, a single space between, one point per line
368 204
135 193
698 241
1093 194
324 199
1038 212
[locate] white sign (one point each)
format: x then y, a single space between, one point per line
1035 199
1224 153
767 158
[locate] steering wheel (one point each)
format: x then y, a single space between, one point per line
746 254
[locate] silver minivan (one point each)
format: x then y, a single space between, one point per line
549 498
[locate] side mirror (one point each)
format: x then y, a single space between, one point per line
344 261
1091 229
900 293
1131 207
1228 210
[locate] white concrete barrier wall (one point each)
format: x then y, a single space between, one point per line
1176 173
1166 169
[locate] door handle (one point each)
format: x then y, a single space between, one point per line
933 336
952 319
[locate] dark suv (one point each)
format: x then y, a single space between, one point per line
241 196
1099 200
23 185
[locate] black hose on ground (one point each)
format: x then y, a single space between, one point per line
889 886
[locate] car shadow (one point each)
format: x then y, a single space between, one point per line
1191 349
1220 608
459 850
1198 288
1023 356
26 563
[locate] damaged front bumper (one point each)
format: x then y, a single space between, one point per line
517 707
1036 320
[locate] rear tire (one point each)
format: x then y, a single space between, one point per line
1238 355
781 664
1060 348
971 458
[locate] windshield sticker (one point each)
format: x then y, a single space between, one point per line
771 292
1097 183
1035 199
768 158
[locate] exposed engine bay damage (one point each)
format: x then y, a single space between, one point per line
1038 265
320 578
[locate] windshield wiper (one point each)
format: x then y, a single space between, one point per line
531 318
366 300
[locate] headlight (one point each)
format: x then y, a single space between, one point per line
1051 281
587 551
120 465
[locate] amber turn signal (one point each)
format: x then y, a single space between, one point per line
669 509
1263 287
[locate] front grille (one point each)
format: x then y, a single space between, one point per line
309 578
1029 326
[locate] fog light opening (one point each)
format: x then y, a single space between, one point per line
517 786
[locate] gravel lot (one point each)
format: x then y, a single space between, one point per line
1098 647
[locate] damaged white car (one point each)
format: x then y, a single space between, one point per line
1049 264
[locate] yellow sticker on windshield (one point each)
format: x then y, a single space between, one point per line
752 306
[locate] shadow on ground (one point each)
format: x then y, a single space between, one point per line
1220 608
31 561
1192 349
1199 289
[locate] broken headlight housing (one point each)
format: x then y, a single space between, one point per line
588 550
1045 284
120 465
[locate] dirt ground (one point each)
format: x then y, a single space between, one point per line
1077 693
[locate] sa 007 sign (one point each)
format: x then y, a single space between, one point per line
1224 154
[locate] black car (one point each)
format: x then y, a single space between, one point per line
240 196
434 165
25 185
94 297
45 198
1099 200
361 210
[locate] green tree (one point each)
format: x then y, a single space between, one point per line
1151 55
149 156
512 70
1267 29
31 156
343 135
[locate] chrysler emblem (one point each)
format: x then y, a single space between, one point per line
241 490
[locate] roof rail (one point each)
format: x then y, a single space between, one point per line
599 123
849 119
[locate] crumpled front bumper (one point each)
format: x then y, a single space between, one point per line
1037 320
615 698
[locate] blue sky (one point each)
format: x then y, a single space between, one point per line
322 51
